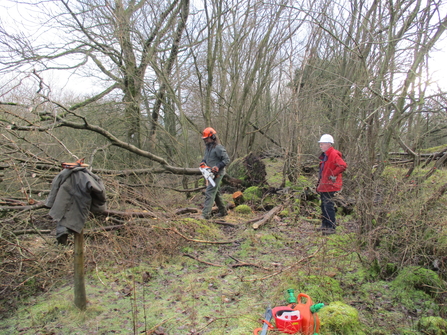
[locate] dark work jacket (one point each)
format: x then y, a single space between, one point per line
75 192
331 164
216 156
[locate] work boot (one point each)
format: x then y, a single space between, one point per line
328 231
204 217
222 214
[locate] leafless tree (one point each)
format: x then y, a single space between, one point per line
268 76
121 43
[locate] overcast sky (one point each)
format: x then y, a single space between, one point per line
13 16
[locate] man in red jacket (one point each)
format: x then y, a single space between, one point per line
329 182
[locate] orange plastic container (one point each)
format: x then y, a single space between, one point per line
295 318
287 320
310 323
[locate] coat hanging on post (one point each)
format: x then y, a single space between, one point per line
74 192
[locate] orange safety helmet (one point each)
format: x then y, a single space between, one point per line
209 132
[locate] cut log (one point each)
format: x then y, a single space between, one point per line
267 217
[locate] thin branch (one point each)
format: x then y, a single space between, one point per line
201 261
302 260
194 240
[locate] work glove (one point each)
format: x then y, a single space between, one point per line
215 169
202 165
333 178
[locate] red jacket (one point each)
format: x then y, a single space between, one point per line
334 165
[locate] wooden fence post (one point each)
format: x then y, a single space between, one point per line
80 299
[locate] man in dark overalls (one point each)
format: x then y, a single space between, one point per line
217 158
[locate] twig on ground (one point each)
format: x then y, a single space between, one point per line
240 264
188 189
254 220
153 330
129 214
31 231
283 269
21 209
194 240
225 223
97 274
201 261
86 232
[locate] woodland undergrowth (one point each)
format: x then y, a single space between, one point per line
176 274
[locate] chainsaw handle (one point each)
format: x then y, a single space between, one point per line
257 330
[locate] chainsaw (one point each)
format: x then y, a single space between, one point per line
207 174
267 325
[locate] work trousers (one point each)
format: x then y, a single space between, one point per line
327 210
212 195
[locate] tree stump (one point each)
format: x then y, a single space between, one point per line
238 198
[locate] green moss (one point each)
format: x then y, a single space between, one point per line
432 326
442 238
340 319
50 312
290 184
414 277
253 194
405 331
320 288
433 149
187 250
274 168
30 286
237 169
227 197
284 213
416 287
373 294
247 247
243 209
199 227
303 182
272 240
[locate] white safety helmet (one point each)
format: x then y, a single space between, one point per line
326 138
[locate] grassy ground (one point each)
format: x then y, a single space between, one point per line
179 275
206 289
